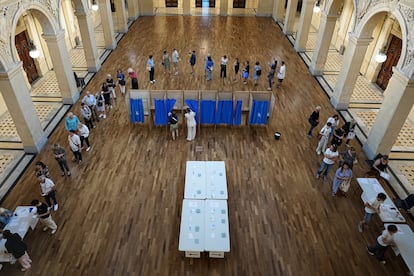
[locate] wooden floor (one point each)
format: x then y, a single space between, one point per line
120 211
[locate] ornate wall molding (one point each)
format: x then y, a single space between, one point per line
408 62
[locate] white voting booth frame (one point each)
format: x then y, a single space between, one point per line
180 96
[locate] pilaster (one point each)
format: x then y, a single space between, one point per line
290 17
133 12
224 7
107 24
264 8
20 106
62 66
122 26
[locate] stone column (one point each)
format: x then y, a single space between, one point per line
304 25
352 61
278 10
224 7
290 17
122 24
398 101
264 8
87 33
62 66
20 106
374 67
107 24
186 7
133 12
326 29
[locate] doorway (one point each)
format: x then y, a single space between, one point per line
239 4
205 3
23 48
171 3
393 55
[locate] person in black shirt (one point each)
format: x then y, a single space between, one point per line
173 122
313 120
17 248
43 214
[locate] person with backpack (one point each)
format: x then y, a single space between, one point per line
173 122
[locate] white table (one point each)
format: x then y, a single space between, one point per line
388 211
216 182
192 228
404 241
217 238
23 219
195 180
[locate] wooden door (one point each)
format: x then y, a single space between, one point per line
171 3
393 55
205 3
239 4
23 48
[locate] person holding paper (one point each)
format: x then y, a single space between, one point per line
380 167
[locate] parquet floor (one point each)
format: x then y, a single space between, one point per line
120 210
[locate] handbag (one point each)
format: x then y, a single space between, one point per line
319 136
351 135
344 187
149 68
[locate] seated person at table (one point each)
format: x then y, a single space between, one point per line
5 216
379 166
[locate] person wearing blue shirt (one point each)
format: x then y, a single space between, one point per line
150 67
72 122
209 68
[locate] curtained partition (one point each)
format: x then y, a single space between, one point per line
224 112
136 111
138 104
259 108
237 118
191 100
208 107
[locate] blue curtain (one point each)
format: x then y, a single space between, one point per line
238 113
137 110
224 114
193 105
170 104
160 113
207 110
258 114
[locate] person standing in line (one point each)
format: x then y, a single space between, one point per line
111 85
151 69
281 75
121 81
75 146
84 136
323 141
173 122
338 136
331 155
191 124
90 101
44 216
271 76
343 173
134 78
60 156
5 217
334 120
87 115
166 62
100 104
205 64
349 129
15 246
246 72
257 72
313 120
41 169
107 95
236 66
223 67
48 192
350 157
71 122
192 62
372 207
382 243
209 68
175 59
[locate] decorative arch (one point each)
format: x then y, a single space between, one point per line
334 6
367 19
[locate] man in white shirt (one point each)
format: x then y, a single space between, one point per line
383 242
90 101
281 74
331 155
175 59
48 190
371 207
324 137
